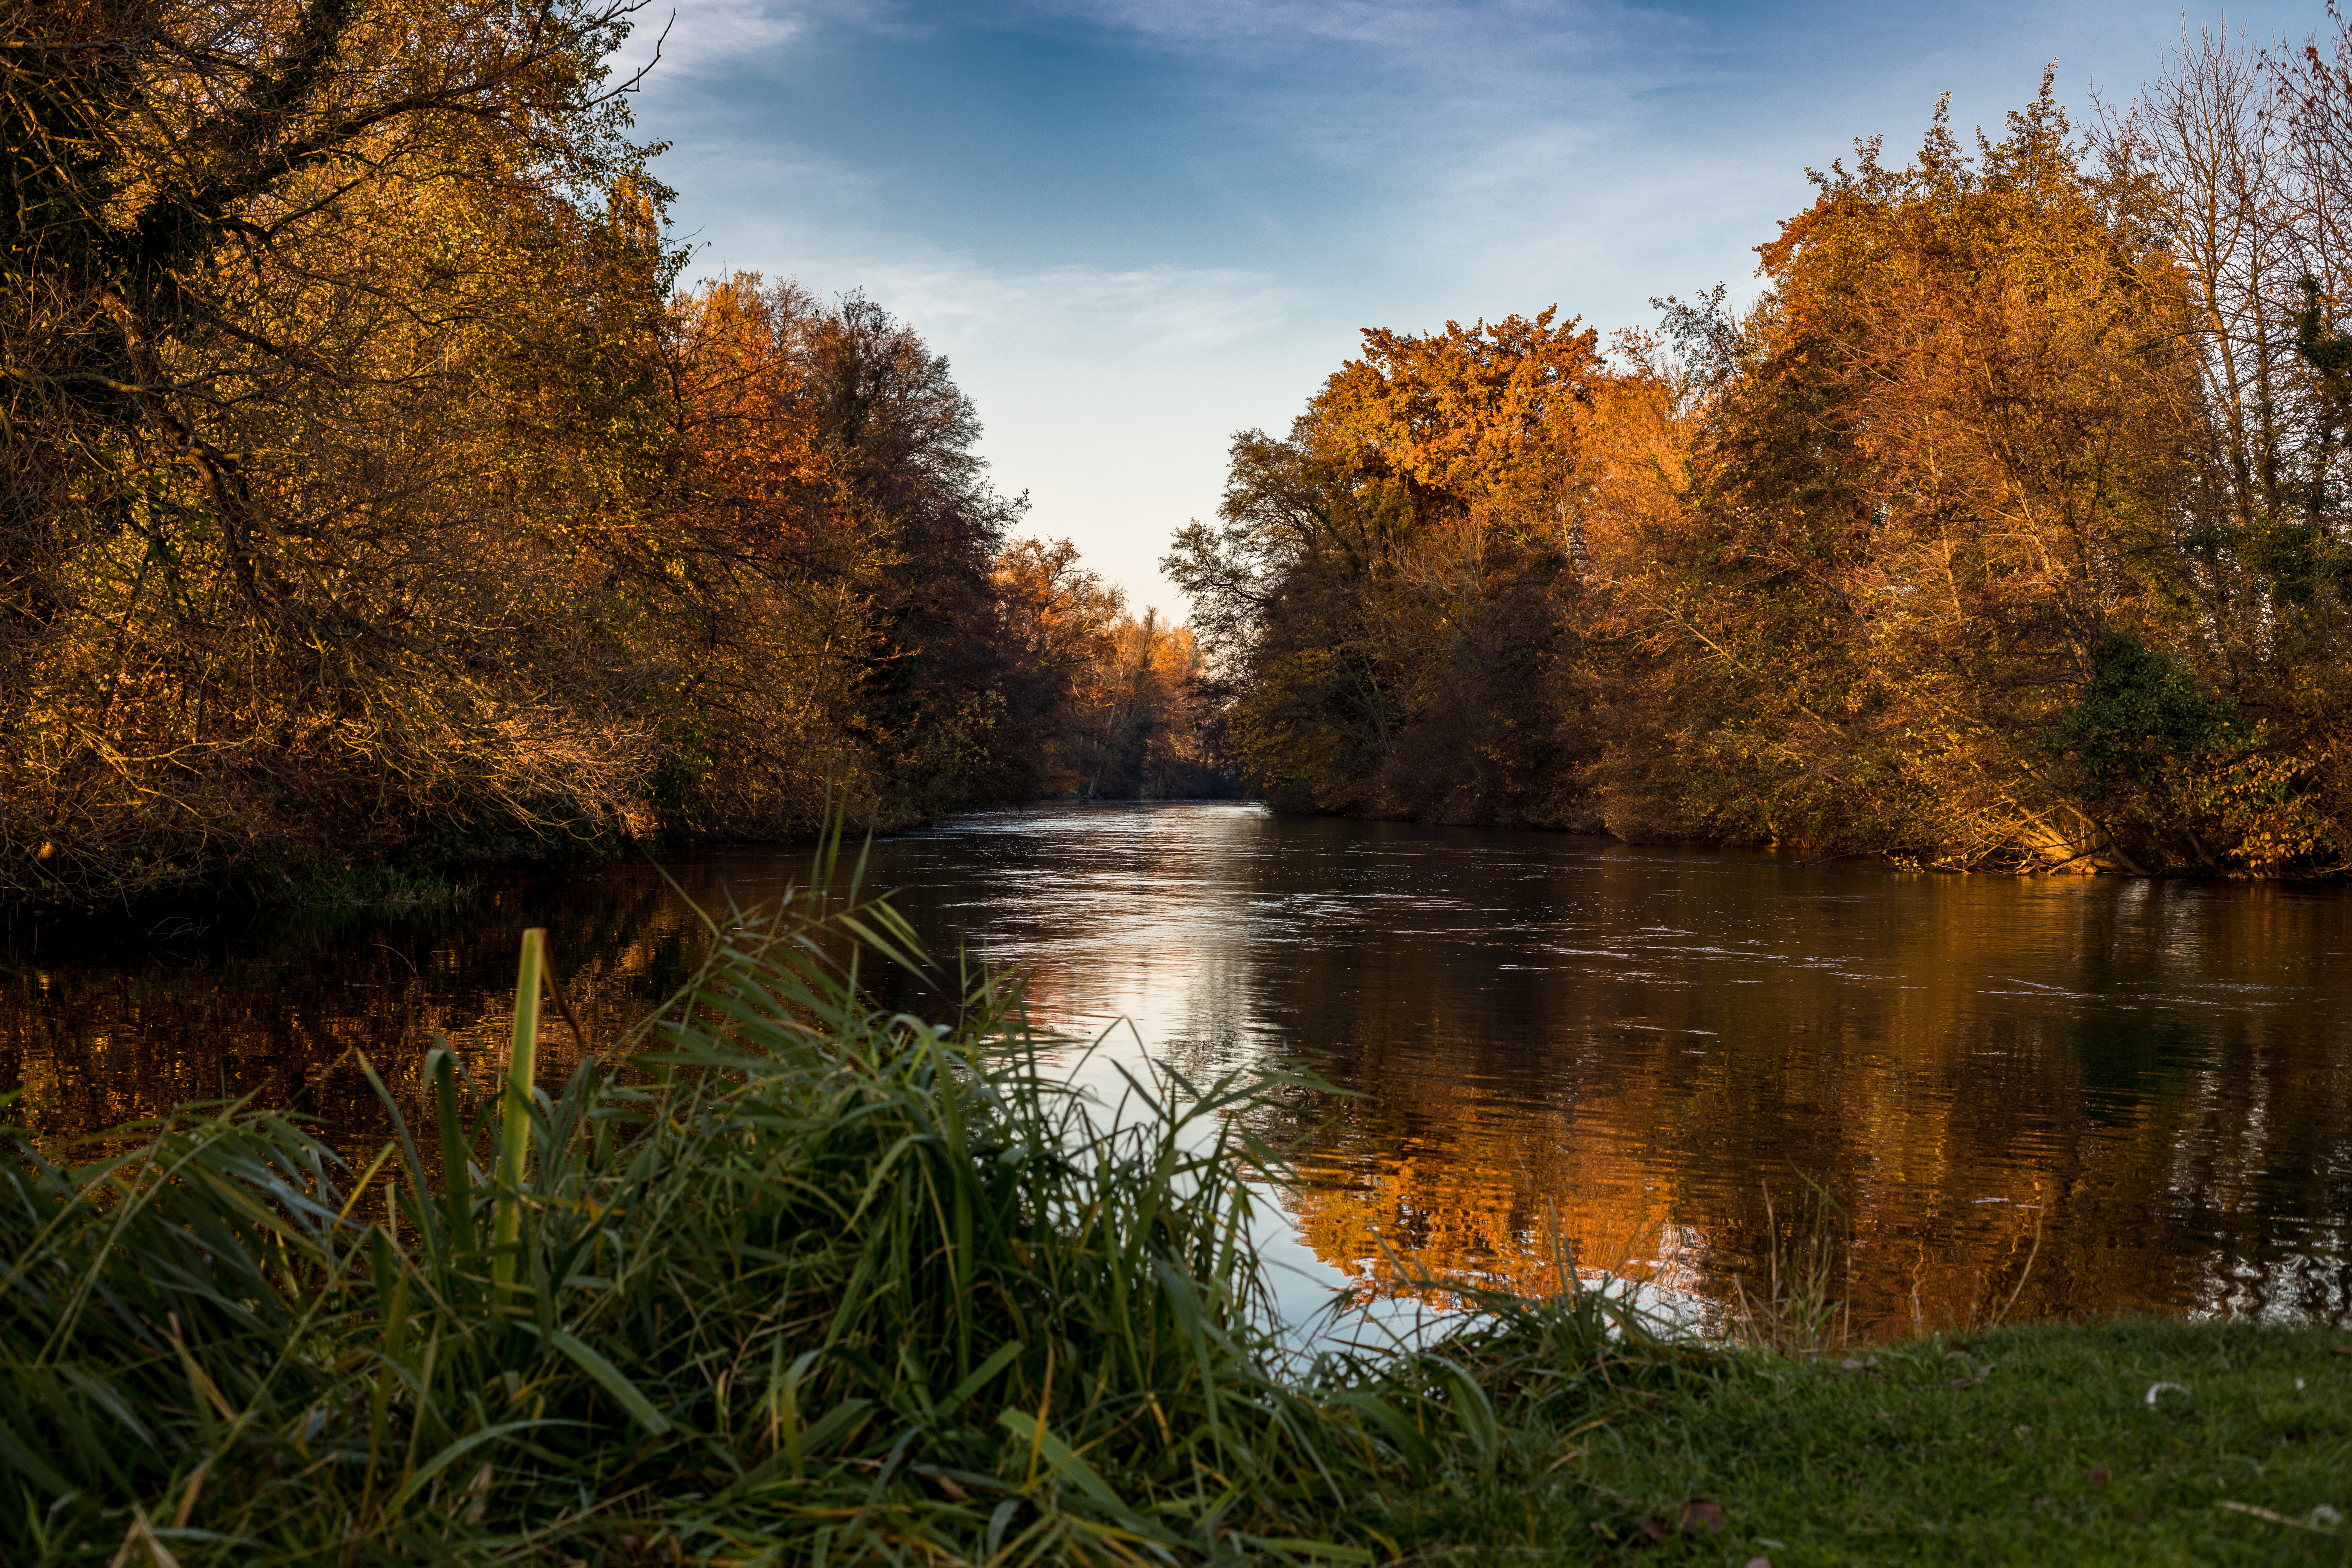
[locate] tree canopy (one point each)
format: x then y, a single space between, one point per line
2008 528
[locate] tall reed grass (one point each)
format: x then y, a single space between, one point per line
808 1282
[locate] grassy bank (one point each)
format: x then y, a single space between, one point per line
806 1282
2035 1445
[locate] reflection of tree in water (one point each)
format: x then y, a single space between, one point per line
2012 1100
100 1027
1439 1177
1982 1165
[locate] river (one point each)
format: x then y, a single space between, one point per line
2004 1098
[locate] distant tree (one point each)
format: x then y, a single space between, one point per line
1390 577
1139 722
1058 628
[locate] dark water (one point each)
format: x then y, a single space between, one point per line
2036 1098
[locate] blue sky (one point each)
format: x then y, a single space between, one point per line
1136 227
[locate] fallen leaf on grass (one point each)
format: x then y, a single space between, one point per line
1653 1531
1759 1560
1701 1514
2341 1350
2098 1477
2251 1512
1963 1383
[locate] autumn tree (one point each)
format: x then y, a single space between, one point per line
1975 563
1139 724
904 434
2003 530
1388 575
371 492
261 581
1954 462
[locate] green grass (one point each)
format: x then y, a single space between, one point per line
814 1283
810 1282
368 885
2051 1456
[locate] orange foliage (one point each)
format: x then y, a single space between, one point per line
1958 547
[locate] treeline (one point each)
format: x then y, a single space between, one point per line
2008 529
369 488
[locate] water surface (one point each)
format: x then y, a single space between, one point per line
2024 1097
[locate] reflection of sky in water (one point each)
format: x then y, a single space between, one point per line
2141 1087
1307 1289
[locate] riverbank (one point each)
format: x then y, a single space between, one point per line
2128 1442
444 879
447 875
812 1281
1641 827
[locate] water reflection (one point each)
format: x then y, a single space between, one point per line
102 1023
2077 1095
2143 1089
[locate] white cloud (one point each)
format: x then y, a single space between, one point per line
1149 308
696 35
1501 32
809 180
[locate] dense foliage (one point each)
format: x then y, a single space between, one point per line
368 491
2009 528
373 492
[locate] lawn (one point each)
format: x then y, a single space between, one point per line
2032 1444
